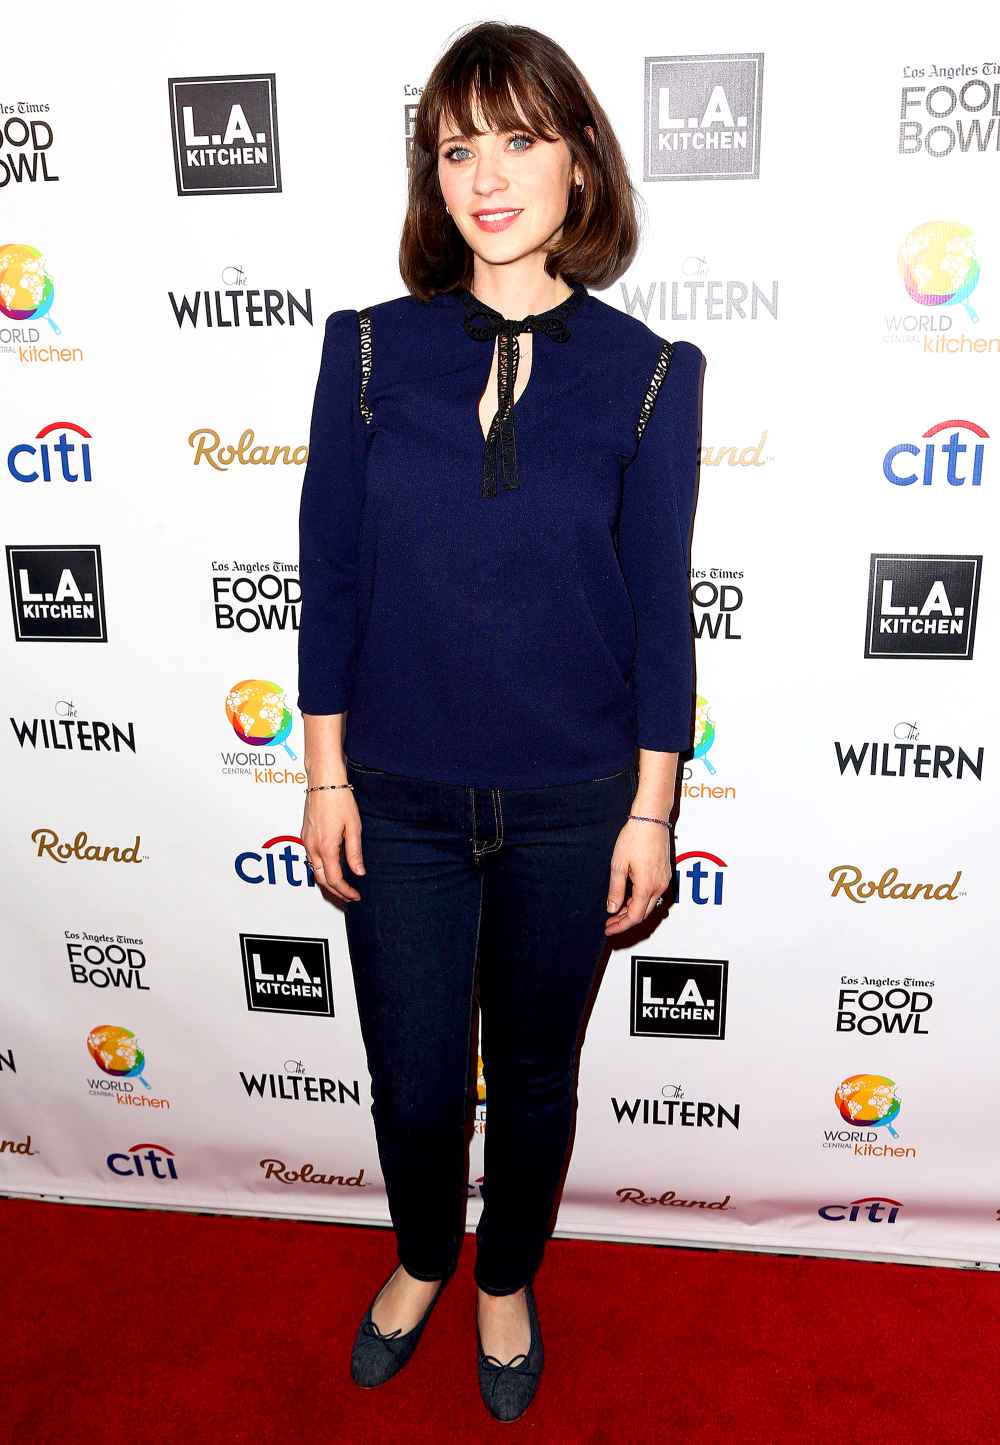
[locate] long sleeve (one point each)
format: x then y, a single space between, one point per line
653 548
329 524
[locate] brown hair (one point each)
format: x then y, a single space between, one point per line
497 65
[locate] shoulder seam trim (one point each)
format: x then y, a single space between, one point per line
365 343
653 390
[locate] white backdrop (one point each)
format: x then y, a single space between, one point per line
118 733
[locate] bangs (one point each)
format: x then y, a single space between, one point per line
505 96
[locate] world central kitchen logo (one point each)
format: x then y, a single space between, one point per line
867 1103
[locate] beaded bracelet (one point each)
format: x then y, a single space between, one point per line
321 786
663 822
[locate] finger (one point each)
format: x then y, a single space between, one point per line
335 879
352 849
616 886
642 898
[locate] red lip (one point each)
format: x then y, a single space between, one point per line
486 222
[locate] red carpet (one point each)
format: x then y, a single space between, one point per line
164 1327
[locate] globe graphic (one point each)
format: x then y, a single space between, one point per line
937 262
258 714
116 1051
868 1101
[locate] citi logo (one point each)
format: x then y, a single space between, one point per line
144 1161
703 874
280 859
873 1210
60 450
948 460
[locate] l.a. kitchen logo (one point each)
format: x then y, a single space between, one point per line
922 605
287 975
57 593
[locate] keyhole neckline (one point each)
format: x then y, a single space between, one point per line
484 322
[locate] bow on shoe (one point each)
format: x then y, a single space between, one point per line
482 323
371 1332
498 1370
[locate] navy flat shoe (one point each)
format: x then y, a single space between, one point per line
376 1357
508 1389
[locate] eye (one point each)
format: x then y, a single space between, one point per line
452 153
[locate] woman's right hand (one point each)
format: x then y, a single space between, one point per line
331 817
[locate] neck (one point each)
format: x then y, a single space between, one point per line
516 292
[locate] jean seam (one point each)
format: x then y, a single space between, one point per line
472 990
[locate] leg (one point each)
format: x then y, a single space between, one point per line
542 940
412 939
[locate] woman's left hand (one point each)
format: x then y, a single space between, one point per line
642 854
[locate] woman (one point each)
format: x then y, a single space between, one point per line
495 619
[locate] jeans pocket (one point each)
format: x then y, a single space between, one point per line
363 768
608 777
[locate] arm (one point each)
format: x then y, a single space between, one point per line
654 551
329 526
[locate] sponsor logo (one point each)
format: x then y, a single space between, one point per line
119 1056
67 732
904 757
847 879
260 717
940 271
922 606
936 119
145 1161
867 1102
287 975
27 292
253 597
672 1110
106 960
281 859
678 998
209 450
873 1210
48 846
57 593
17 1146
309 1174
702 116
225 134
703 876
294 1085
670 1199
60 450
716 599
947 457
235 304
25 142
872 1006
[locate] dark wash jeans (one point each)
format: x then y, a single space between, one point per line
518 877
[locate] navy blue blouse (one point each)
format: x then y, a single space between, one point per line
510 611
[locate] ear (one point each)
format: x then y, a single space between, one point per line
590 132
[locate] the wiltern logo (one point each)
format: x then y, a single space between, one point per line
702 119
922 606
225 134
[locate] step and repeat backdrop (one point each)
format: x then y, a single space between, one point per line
802 1053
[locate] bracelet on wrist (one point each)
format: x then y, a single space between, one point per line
321 787
663 822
